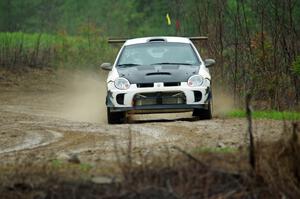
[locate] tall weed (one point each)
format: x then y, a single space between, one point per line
18 49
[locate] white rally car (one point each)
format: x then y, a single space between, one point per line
156 75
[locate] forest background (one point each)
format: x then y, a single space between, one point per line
256 43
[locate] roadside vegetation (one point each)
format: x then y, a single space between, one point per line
205 173
274 115
40 50
255 43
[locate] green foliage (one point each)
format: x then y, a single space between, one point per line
56 163
296 66
41 50
253 42
85 167
115 18
275 115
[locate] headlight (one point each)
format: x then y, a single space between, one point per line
206 82
122 83
195 80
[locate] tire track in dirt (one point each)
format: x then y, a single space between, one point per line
35 130
32 140
56 136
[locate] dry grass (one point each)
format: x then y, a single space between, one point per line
200 175
278 163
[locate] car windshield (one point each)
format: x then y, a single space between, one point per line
158 53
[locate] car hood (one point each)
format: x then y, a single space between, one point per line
158 73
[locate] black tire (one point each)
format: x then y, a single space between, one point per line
116 117
203 114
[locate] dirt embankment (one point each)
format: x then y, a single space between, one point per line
48 115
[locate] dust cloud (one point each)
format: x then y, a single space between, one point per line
223 102
84 97
85 92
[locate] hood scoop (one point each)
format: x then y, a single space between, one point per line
158 73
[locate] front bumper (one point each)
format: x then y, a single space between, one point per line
125 100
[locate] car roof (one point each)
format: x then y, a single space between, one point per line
157 39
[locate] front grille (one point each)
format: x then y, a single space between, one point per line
159 98
166 84
145 85
172 84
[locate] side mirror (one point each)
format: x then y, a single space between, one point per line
209 62
106 66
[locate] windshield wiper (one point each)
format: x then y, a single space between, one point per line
171 63
128 65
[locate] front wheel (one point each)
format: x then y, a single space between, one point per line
203 114
115 117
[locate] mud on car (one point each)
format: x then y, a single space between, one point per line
158 75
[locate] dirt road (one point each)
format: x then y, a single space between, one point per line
45 117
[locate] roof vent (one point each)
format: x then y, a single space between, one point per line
157 40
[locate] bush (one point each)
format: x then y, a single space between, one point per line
296 66
44 50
